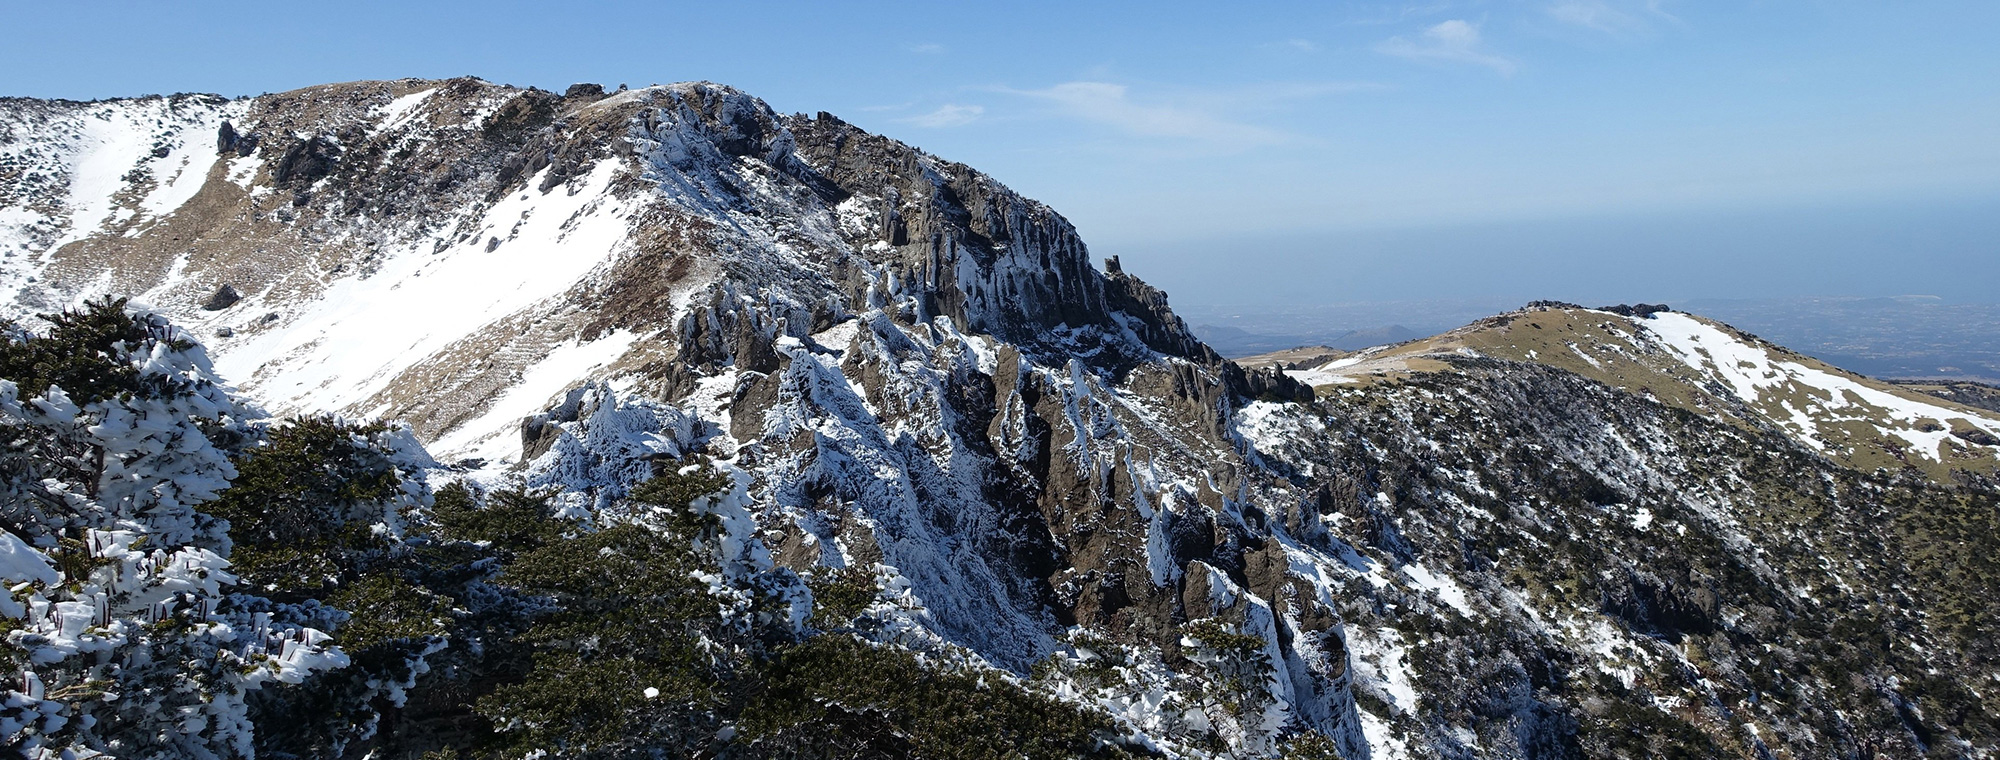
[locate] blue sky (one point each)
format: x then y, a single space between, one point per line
1585 149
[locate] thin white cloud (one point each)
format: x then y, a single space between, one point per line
947 115
1217 116
1454 41
1613 17
1294 44
1110 105
1260 95
928 48
1384 15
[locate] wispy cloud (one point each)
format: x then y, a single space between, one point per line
1294 44
1454 41
1610 16
927 48
947 115
1399 13
1111 105
1222 117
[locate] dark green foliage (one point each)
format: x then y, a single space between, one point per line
1095 667
1309 746
583 706
311 476
74 560
387 608
84 353
616 611
509 521
302 507
1953 541
1212 636
627 615
840 595
837 696
676 492
1628 730
1237 664
307 513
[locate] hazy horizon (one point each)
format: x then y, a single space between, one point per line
1950 250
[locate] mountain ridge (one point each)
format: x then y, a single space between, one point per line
684 140
906 372
1710 368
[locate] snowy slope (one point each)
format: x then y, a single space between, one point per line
69 171
1815 399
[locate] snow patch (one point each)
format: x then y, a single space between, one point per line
1382 662
494 434
364 332
1328 373
394 113
20 562
1758 377
1447 589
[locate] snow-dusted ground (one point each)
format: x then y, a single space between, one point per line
347 346
494 434
1812 397
83 169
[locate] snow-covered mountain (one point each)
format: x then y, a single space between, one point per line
457 253
1471 546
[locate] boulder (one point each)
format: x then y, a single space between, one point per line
225 297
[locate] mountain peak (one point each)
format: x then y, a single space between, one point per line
448 250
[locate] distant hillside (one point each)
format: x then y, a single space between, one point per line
1905 336
1979 395
1234 342
1714 370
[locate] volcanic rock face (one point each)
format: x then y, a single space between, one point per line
918 370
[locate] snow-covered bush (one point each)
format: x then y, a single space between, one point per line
187 580
113 430
317 517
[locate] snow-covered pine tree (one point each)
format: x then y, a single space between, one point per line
113 431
